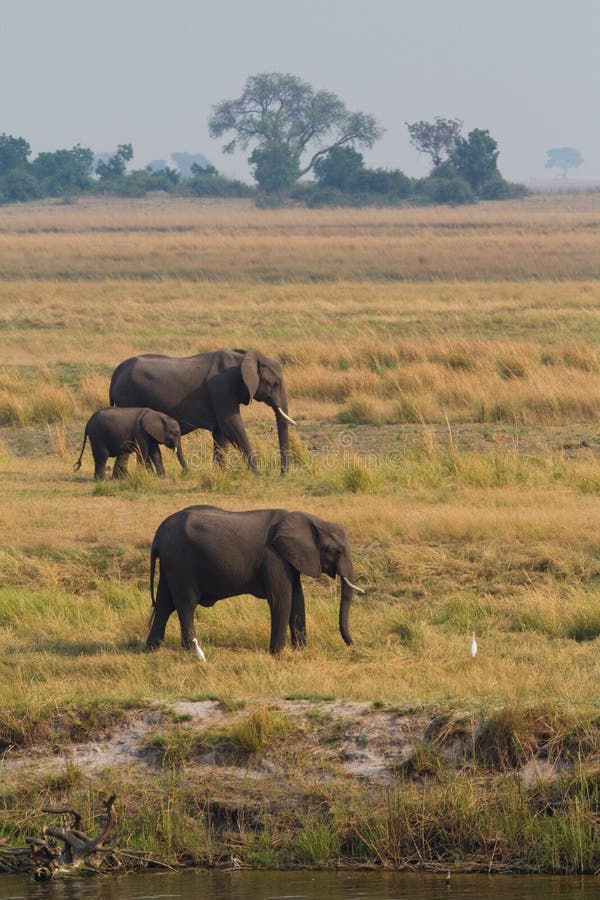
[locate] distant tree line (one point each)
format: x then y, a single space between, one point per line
70 173
296 131
304 149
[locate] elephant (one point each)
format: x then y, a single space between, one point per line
207 554
119 431
205 391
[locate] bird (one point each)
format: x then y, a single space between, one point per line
473 646
199 650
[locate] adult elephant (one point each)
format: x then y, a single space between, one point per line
205 391
207 554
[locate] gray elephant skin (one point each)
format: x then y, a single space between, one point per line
206 391
119 432
207 554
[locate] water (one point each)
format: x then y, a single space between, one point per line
246 885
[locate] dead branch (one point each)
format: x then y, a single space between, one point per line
78 847
45 858
65 812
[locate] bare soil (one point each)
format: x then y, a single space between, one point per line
334 738
327 437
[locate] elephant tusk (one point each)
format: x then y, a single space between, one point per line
285 416
354 587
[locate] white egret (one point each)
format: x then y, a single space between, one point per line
473 646
199 650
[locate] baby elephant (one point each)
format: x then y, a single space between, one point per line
121 430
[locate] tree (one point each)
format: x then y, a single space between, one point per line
19 185
156 165
475 158
186 161
275 167
344 170
434 138
64 171
291 124
203 170
13 153
341 168
116 164
563 158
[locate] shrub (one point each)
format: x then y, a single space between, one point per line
19 186
497 188
452 190
360 410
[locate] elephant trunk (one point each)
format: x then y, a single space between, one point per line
180 455
283 436
345 601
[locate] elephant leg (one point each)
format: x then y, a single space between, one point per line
100 460
187 601
298 615
120 466
280 606
155 456
236 434
163 608
278 588
220 443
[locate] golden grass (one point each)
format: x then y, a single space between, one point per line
441 421
206 241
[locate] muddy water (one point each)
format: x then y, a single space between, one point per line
302 886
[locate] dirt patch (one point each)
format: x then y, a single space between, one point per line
354 740
328 438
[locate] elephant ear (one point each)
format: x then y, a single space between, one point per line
297 541
153 424
249 370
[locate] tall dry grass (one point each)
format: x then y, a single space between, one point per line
234 242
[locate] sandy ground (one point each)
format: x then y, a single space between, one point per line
360 740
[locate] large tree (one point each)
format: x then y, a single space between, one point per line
436 138
475 157
564 158
289 123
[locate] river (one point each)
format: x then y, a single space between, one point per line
246 885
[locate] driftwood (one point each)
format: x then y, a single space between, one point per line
46 858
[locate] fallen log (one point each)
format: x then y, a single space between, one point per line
45 858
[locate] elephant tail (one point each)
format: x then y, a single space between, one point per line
111 390
77 465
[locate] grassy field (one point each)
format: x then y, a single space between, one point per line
444 369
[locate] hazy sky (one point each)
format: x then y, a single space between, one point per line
147 72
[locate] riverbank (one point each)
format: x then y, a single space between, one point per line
327 784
